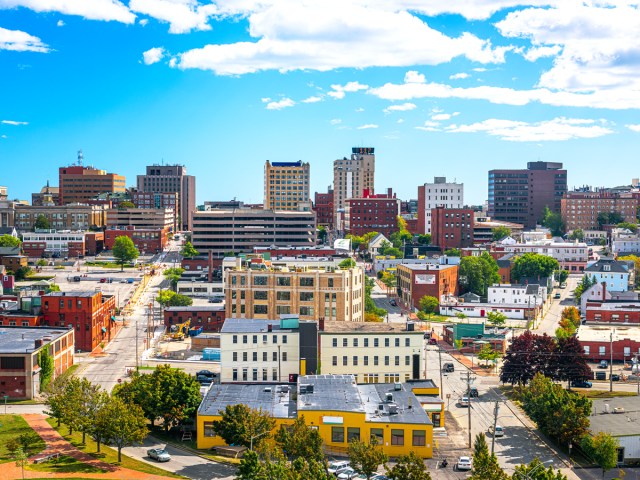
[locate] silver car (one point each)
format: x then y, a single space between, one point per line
159 454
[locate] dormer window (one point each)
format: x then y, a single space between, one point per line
606 268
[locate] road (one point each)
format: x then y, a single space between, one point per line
551 317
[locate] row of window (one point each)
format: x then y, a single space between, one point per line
365 360
274 356
355 342
602 350
281 309
418 437
254 378
254 339
280 281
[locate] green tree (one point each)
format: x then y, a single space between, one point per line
41 263
394 252
409 467
477 274
461 316
22 273
54 398
602 448
577 234
428 304
488 354
124 250
250 467
41 223
164 296
424 239
300 440
633 227
28 440
389 280
497 319
188 251
536 471
452 252
322 234
238 424
585 284
45 362
179 300
127 426
100 428
561 275
533 265
21 459
366 458
173 275
485 466
500 233
9 241
553 221
126 204
347 263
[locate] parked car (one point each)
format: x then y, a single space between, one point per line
206 373
618 409
346 473
337 465
204 380
581 384
379 477
473 392
130 280
433 341
557 295
463 463
103 280
615 377
448 367
158 454
563 285
464 401
393 303
603 364
499 431
601 375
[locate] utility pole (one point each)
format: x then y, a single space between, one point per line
611 361
137 364
442 384
425 361
496 409
469 380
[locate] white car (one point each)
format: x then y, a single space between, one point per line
499 431
159 454
464 463
464 401
346 473
337 465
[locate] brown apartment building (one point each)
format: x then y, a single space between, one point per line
80 184
417 280
372 213
452 227
323 206
580 209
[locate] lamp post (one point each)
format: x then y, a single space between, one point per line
256 436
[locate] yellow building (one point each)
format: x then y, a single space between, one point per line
339 408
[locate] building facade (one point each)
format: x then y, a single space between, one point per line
240 230
415 281
529 295
440 193
61 217
286 185
571 256
452 227
310 292
172 179
156 200
209 317
154 218
323 206
49 242
372 213
617 275
580 209
520 196
79 184
146 240
351 176
371 352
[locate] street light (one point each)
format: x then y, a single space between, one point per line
256 436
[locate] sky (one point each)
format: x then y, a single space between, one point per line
438 88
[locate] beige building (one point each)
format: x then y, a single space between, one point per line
75 216
153 218
286 186
351 176
310 292
371 352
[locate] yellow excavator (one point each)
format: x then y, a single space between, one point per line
179 331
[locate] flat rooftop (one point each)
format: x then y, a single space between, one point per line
617 424
248 325
214 307
85 293
22 339
273 399
616 306
601 333
426 266
367 327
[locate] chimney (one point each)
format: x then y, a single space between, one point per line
269 328
210 263
604 291
321 324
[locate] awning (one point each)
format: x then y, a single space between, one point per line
104 330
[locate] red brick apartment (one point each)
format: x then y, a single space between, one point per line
209 317
147 240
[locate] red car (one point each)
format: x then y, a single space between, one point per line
433 341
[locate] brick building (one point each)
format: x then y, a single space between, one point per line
452 227
209 317
436 194
79 184
303 252
14 262
146 240
155 200
19 352
75 216
90 313
416 280
372 213
613 312
580 209
597 341
323 206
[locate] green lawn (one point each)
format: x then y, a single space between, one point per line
605 393
11 426
107 454
108 265
63 464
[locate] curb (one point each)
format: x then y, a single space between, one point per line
190 450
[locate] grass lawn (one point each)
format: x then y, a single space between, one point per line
605 393
107 265
63 464
108 454
11 426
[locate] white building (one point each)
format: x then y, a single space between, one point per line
376 242
626 246
371 352
382 262
200 288
258 351
439 193
571 256
529 295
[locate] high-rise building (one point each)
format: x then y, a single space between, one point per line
440 193
580 209
452 227
80 184
520 195
172 179
286 186
351 176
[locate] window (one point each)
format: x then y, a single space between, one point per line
264 374
244 374
397 437
366 342
334 361
330 282
306 296
275 356
284 281
334 342
365 360
586 349
260 280
235 356
254 374
345 342
235 374
264 356
376 342
355 360
283 296
260 295
283 309
244 356
274 374
306 311
260 309
406 342
378 433
602 350
375 360
397 342
255 339
407 360
386 342
208 429
337 434
419 438
353 433
255 356
275 339
627 351
397 361
284 356
284 339
345 360
355 342
306 281
235 339
386 360
244 339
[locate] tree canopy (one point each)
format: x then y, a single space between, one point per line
485 466
9 241
188 251
602 448
533 265
366 457
497 319
609 218
409 467
424 239
169 298
126 204
500 233
347 263
239 424
577 234
124 250
428 304
477 274
553 221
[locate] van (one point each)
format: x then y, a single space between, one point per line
448 367
334 467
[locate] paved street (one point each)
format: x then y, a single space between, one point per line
551 317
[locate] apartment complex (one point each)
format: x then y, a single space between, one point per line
572 256
452 227
156 200
580 209
351 176
440 193
520 196
73 216
323 206
239 230
371 352
150 218
79 184
172 179
146 240
286 186
417 280
372 213
64 243
267 350
307 291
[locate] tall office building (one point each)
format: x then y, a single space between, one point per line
79 184
172 179
520 195
351 177
440 193
286 186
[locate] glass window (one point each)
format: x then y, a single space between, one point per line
283 296
397 361
235 339
264 356
397 437
334 361
284 281
284 356
345 360
283 309
244 356
378 433
260 295
244 374
353 433
419 438
386 360
375 360
244 339
386 342
235 356
407 360
355 342
275 356
255 356
255 339
365 360
235 374
260 309
366 342
306 296
376 342
260 280
406 342
254 374
208 429
355 360
397 342
306 281
334 342
284 339
345 342
306 311
337 434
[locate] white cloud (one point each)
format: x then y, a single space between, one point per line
359 109
280 104
181 15
13 122
313 99
143 22
558 129
322 36
444 116
534 54
339 90
480 69
20 41
459 76
635 128
414 77
107 10
367 126
3 136
265 100
153 55
404 107
335 121
400 120
60 23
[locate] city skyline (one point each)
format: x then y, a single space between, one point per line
438 90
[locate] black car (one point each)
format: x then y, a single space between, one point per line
615 377
473 392
448 367
206 373
203 380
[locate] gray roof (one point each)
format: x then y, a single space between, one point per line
22 339
216 307
86 293
614 266
470 297
270 398
248 325
7 230
4 251
532 289
617 424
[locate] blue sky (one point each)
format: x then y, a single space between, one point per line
438 89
